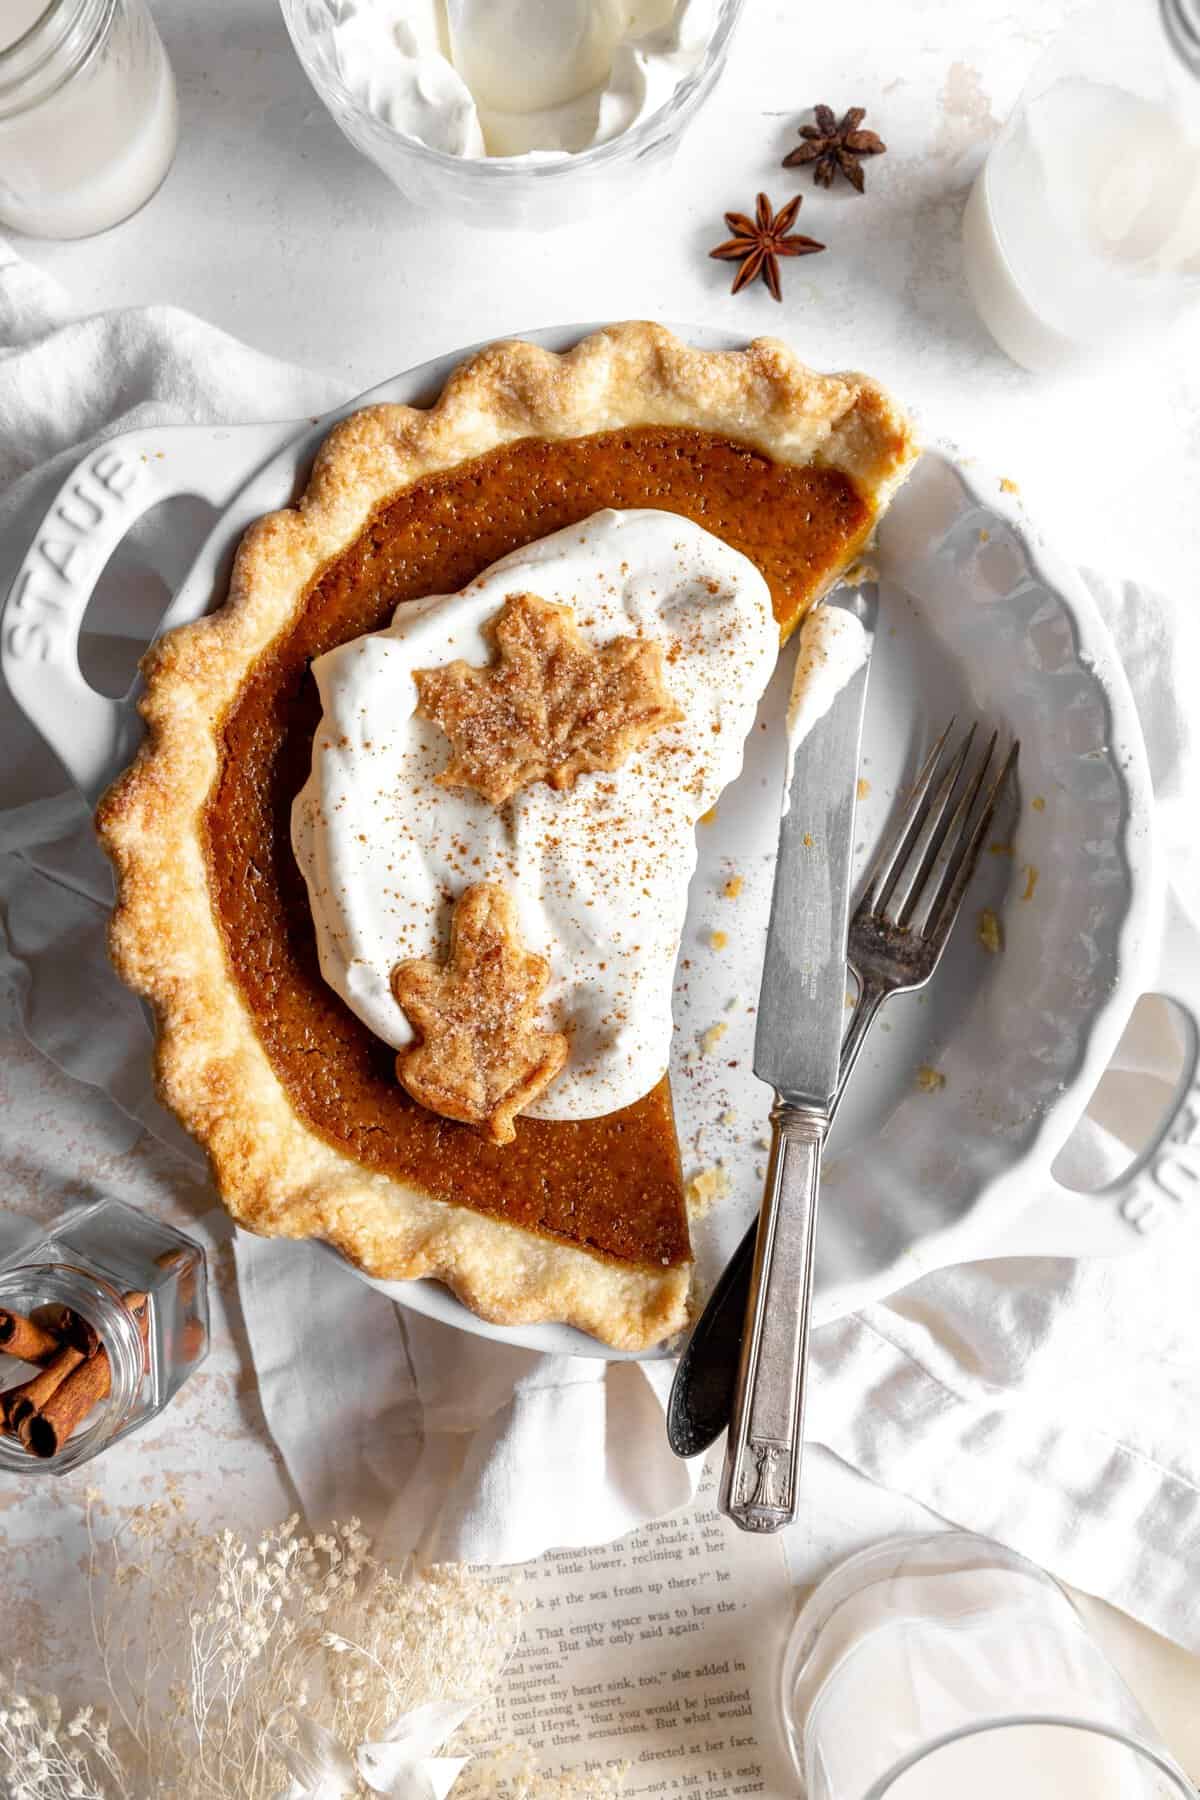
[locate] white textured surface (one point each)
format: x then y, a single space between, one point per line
273 227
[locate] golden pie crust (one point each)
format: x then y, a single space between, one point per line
276 1175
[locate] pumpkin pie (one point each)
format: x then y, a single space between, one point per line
423 1164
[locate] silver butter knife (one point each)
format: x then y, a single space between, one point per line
797 1049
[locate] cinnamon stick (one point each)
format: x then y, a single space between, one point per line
172 1261
20 1403
45 1430
26 1339
77 1330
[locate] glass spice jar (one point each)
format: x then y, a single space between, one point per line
88 114
102 1320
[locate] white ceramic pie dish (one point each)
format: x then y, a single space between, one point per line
977 617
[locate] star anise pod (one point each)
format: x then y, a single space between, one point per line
758 243
830 147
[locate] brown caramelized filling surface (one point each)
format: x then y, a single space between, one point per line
612 1185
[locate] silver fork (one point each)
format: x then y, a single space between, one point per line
915 889
898 931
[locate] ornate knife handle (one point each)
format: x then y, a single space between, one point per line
766 1432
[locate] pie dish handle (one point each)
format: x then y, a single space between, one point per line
1164 1177
1166 1173
93 735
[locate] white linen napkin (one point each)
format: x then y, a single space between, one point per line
1049 1402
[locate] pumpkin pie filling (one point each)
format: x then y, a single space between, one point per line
611 1184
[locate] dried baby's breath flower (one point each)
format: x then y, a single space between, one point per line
216 1653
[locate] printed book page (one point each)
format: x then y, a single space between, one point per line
660 1651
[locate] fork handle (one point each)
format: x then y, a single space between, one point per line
871 997
762 1453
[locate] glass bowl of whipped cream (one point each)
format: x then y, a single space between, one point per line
514 112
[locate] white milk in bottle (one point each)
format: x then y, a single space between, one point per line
1083 228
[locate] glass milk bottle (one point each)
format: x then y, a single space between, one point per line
88 119
1083 228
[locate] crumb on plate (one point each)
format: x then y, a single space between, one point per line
988 932
704 1189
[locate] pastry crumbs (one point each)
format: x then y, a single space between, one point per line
718 939
704 1189
988 932
733 887
930 1081
712 1037
1031 881
863 788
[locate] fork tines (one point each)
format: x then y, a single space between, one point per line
927 858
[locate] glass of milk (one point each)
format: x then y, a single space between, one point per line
88 119
933 1668
1083 228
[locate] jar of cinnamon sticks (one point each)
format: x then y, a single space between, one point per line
101 1322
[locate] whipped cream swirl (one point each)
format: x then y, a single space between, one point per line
599 873
518 78
833 647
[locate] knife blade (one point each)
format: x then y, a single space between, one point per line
801 1015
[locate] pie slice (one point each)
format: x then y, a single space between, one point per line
310 1133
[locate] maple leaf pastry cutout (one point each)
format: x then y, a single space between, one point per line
482 1058
549 707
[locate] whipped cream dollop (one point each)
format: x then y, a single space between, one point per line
599 872
477 78
833 647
